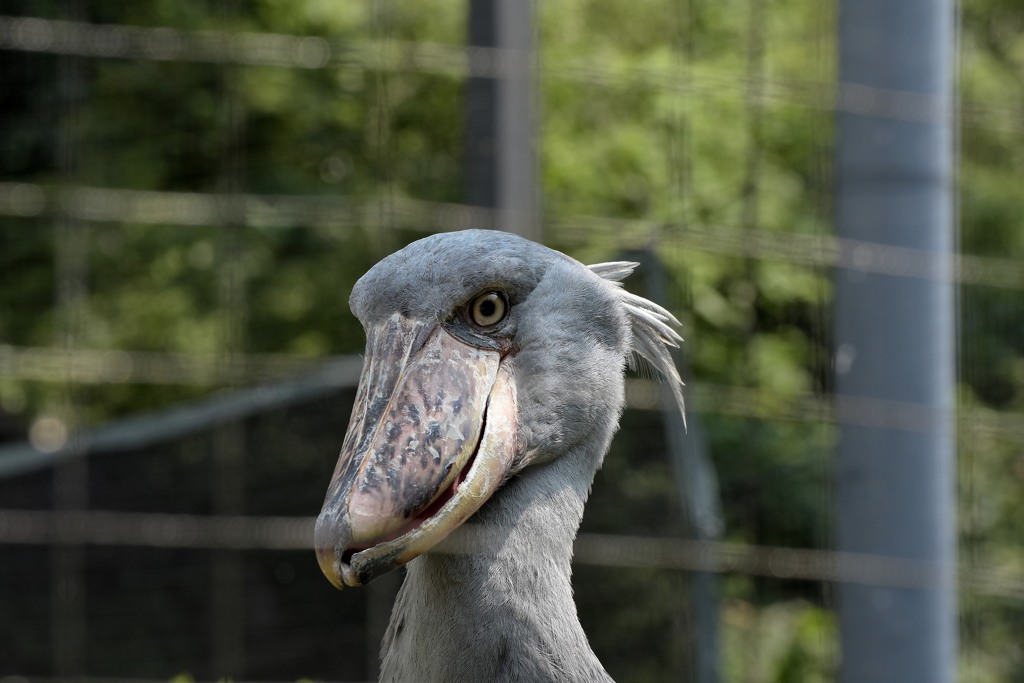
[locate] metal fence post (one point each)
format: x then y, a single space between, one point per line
501 135
895 343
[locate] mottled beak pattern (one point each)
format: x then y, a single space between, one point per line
431 438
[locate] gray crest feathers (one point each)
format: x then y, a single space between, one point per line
652 328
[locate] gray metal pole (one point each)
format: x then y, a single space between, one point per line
895 337
501 159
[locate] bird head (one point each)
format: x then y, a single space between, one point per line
486 354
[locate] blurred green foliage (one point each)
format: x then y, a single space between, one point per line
703 114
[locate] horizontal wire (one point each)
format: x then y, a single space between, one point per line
86 366
764 404
108 528
178 208
822 251
162 43
35 34
334 212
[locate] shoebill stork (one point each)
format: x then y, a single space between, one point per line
491 388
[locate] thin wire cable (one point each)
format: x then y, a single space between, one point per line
34 34
336 212
216 532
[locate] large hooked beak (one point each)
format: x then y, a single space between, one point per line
431 438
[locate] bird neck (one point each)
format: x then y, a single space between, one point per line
494 601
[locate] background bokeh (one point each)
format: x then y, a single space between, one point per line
189 190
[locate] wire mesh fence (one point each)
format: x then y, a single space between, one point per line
187 196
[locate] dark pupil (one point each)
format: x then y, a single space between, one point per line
487 308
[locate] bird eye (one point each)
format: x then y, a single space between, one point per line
488 309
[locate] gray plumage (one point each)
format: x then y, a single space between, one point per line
494 602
